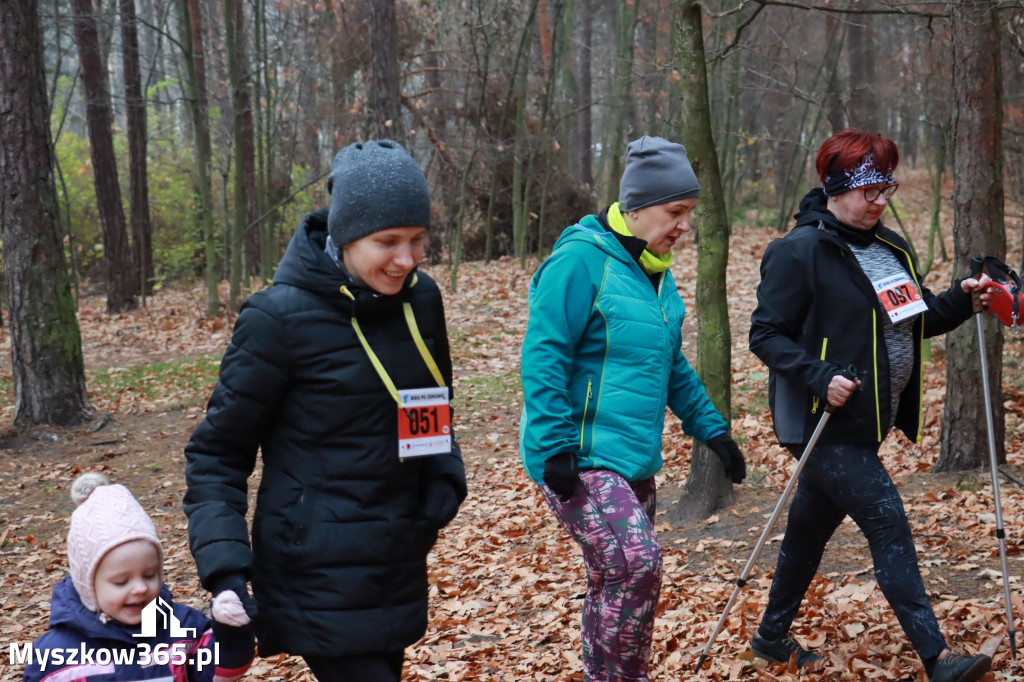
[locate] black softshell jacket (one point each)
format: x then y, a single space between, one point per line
817 314
339 547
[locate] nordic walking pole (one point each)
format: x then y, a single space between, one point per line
1000 534
851 374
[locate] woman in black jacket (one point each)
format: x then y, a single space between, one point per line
340 376
841 289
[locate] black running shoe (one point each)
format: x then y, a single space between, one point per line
959 668
780 650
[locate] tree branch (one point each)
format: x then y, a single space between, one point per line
739 31
906 11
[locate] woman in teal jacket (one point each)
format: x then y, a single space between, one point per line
602 358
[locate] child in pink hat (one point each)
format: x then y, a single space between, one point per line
113 619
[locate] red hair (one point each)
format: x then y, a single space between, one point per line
846 150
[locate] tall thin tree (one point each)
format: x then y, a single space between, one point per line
234 37
138 171
191 40
121 282
978 228
46 345
584 113
385 86
706 487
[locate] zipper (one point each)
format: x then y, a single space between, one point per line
586 407
657 295
874 354
817 401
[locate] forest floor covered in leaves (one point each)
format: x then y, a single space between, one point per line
507 585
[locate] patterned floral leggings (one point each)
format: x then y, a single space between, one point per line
612 521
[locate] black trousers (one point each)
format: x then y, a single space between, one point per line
841 480
368 668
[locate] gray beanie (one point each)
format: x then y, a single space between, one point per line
657 172
373 186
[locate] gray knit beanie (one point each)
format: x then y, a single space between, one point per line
373 186
657 172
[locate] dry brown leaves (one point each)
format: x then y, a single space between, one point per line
507 584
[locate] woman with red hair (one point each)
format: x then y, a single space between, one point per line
842 289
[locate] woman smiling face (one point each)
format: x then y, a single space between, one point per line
382 260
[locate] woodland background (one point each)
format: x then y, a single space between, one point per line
185 139
518 110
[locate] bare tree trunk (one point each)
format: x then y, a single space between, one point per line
138 176
725 100
385 87
46 346
520 217
234 37
247 151
706 487
191 40
936 168
863 75
121 282
978 229
522 54
833 94
616 130
584 138
264 150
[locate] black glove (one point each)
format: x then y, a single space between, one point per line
732 459
440 502
237 583
237 644
562 474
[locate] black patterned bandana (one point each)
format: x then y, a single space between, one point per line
861 176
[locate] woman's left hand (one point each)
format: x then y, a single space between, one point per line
978 289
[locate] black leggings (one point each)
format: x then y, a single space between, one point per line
841 480
368 668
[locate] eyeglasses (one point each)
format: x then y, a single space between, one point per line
871 194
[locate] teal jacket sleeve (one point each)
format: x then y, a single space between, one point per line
562 295
689 401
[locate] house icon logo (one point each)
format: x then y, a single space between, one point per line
157 616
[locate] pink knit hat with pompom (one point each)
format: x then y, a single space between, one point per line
107 516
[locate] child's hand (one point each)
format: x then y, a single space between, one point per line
228 609
232 628
234 583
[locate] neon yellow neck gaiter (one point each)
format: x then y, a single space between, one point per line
650 263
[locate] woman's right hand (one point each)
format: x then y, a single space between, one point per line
840 389
562 474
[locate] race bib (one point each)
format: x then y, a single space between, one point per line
425 423
900 297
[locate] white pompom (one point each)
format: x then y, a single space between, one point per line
85 484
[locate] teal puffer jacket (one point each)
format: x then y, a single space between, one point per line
602 358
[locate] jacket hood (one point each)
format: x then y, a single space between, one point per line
814 208
67 609
591 230
306 264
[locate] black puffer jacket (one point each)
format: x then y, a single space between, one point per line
817 314
339 546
